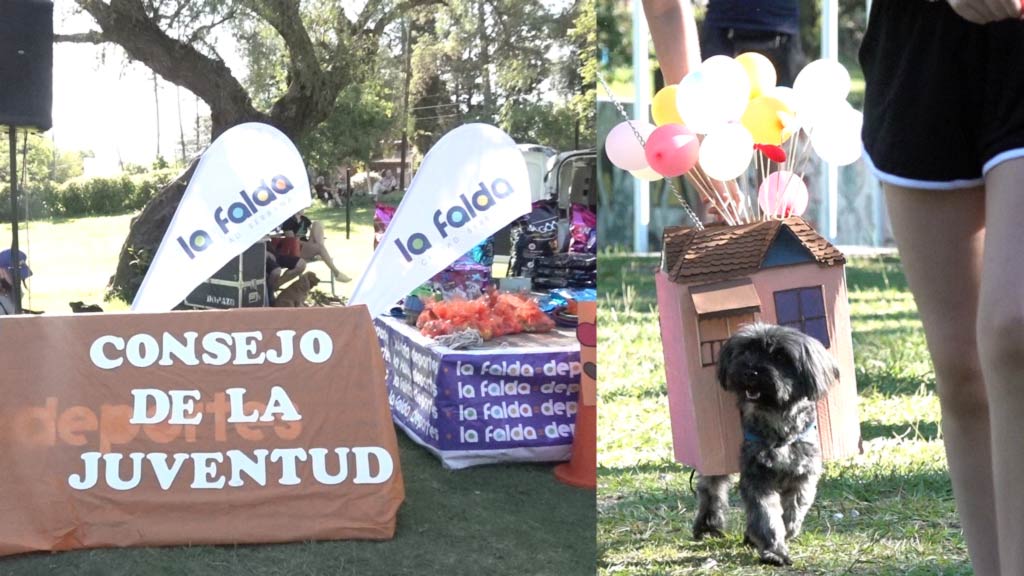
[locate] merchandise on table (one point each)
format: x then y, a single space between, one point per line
495 314
583 230
571 270
534 236
461 280
468 277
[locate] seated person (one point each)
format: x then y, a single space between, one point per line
7 280
6 293
386 184
280 269
323 192
311 241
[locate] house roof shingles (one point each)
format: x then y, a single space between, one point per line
723 252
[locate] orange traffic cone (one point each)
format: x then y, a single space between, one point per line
581 470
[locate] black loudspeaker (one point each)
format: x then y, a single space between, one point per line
241 283
26 63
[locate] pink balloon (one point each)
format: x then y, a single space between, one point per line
623 148
672 150
783 194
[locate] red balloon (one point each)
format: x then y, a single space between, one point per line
776 153
672 150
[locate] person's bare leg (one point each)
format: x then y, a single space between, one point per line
941 234
291 273
1001 343
274 278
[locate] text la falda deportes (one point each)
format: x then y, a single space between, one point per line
180 408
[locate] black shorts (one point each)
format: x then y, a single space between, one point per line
944 99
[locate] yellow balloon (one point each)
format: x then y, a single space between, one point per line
760 71
663 107
763 118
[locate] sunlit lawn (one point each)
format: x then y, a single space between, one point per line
73 259
889 511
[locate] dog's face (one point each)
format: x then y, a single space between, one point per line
310 279
775 366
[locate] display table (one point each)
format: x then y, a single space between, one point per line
513 401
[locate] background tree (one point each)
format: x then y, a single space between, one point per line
321 47
511 63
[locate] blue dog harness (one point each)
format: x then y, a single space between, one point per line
810 435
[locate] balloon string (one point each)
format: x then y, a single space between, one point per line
727 202
791 157
800 164
711 194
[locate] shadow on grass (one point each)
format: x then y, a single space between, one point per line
645 393
862 335
853 527
890 385
897 315
882 273
920 430
502 519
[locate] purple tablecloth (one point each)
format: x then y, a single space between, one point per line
513 401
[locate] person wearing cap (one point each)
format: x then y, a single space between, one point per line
7 304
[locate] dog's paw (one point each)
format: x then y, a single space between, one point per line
776 557
700 532
792 531
708 526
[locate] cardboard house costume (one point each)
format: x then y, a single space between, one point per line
714 280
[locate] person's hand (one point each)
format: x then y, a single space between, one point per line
985 11
726 198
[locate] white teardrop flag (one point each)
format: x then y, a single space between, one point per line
471 184
248 181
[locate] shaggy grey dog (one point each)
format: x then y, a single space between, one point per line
778 374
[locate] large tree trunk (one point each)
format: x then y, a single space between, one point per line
144 236
307 102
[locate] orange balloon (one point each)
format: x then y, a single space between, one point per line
763 118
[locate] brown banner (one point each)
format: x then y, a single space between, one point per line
261 425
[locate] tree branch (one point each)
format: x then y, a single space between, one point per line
201 32
126 23
91 37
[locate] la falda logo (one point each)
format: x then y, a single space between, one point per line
456 216
237 213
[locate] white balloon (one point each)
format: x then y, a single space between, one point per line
715 93
726 151
822 81
647 174
836 137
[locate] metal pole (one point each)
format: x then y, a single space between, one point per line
405 103
348 203
641 102
15 252
830 49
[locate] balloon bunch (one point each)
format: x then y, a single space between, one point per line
728 112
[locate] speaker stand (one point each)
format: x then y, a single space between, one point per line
15 253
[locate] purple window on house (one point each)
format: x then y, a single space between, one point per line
803 309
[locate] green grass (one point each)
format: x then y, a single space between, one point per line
888 511
73 259
503 519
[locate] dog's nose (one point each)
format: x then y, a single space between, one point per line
750 373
